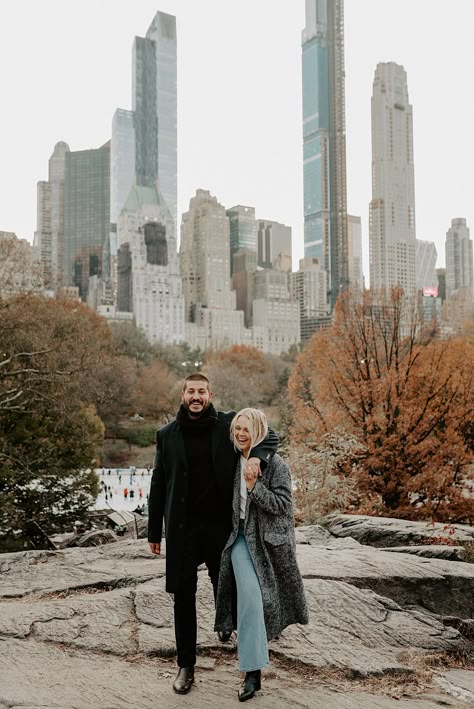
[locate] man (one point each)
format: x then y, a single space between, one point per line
191 490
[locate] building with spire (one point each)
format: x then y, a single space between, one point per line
324 142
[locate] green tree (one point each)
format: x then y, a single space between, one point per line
50 433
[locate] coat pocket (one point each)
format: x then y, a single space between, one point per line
276 539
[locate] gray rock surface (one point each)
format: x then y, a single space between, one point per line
432 551
459 684
93 627
35 675
391 532
442 587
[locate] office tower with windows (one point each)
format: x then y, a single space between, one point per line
309 288
149 283
49 234
211 315
86 216
392 232
20 269
459 263
274 311
354 242
122 164
273 245
243 230
243 281
426 256
324 141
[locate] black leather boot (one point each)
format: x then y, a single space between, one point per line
184 680
250 685
224 635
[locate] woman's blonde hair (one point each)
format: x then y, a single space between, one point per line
258 426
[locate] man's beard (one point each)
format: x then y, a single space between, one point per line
197 414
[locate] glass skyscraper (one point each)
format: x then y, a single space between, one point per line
243 230
144 140
154 103
324 141
86 216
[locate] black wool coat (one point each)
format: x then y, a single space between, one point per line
168 499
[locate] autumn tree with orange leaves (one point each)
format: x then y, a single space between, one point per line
379 378
243 376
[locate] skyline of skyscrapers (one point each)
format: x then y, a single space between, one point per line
392 233
324 142
143 149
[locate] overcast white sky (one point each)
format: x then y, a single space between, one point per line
66 65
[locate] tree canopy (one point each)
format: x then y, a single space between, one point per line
379 377
50 434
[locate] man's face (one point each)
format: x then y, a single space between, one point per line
196 398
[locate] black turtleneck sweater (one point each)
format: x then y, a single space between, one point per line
203 503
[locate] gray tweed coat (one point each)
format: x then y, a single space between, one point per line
270 535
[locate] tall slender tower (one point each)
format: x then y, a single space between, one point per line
49 234
392 209
459 263
154 102
324 141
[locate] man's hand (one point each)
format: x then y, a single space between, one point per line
155 547
251 472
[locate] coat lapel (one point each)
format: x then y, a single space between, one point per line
179 450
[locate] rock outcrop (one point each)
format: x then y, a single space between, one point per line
93 627
391 532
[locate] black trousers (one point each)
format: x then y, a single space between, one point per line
203 545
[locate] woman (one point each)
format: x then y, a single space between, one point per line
261 555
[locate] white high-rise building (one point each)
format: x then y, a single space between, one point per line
211 316
309 288
122 163
426 256
49 234
20 270
149 283
354 243
392 232
273 245
275 312
459 263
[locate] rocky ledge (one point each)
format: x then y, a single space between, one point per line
93 627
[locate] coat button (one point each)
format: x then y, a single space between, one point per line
182 499
181 525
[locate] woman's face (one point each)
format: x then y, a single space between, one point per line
242 436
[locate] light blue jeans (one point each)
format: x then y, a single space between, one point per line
252 642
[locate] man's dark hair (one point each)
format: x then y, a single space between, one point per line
196 377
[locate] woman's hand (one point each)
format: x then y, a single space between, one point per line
251 472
